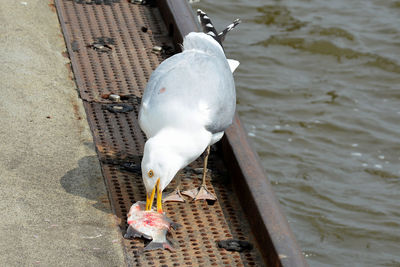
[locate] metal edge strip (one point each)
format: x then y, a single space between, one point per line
269 225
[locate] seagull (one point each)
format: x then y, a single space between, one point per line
188 103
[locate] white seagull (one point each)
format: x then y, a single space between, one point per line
188 103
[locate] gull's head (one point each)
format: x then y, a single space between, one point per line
159 165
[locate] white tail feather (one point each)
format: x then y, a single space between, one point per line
233 64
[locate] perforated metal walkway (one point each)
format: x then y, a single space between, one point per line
110 44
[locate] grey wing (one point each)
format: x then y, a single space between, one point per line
147 111
195 81
221 90
222 114
158 75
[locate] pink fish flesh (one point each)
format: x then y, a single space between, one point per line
149 225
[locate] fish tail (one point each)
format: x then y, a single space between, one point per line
175 225
159 245
132 233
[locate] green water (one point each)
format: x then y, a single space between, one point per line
318 90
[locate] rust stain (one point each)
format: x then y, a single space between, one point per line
65 54
107 151
71 74
104 201
77 114
52 6
76 110
106 96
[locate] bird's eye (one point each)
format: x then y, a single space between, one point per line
150 173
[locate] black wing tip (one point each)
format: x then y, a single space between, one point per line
200 12
208 27
228 29
237 21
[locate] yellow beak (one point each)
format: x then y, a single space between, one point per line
150 197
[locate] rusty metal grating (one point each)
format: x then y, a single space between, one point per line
124 69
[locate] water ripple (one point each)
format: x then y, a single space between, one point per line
318 90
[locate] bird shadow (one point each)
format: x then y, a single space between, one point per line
86 181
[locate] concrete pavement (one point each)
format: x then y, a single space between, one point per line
54 209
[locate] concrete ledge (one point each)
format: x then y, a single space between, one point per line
53 203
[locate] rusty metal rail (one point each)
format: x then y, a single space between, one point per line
110 46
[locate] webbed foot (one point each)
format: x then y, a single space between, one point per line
200 193
174 196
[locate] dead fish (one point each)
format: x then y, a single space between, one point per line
150 225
